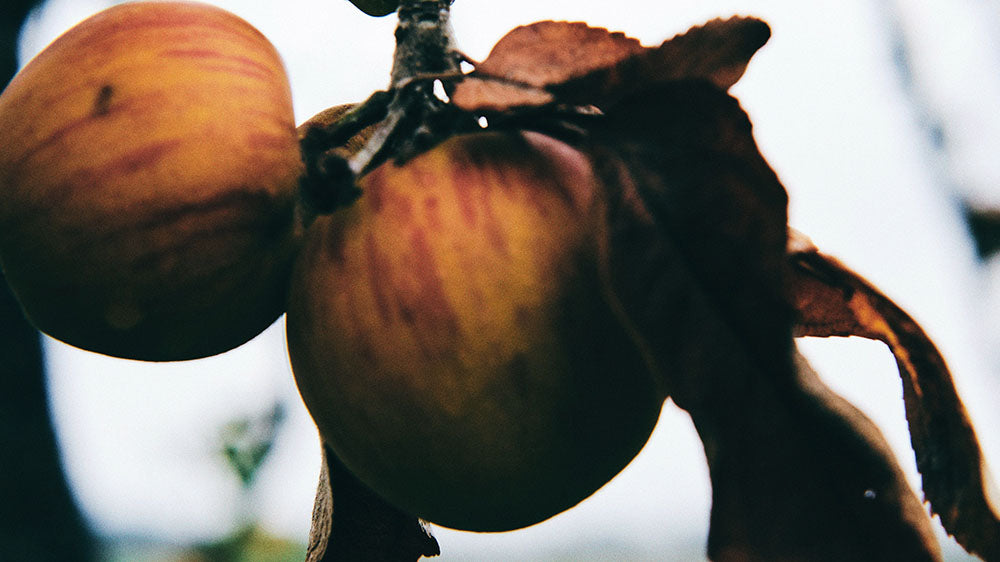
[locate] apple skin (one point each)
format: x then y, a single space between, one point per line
149 182
450 335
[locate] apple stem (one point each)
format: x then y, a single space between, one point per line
415 116
411 117
424 44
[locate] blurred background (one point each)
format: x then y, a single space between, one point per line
881 118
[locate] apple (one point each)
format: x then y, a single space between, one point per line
149 176
450 334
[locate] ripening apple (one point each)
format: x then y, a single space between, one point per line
450 335
148 176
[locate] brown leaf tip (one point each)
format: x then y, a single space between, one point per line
719 50
753 33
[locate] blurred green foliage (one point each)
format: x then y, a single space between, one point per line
247 441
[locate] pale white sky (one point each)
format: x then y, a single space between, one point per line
142 440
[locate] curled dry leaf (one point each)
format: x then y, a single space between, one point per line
832 300
350 522
532 57
550 61
549 52
798 473
718 52
696 250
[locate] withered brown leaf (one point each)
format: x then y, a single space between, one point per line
350 522
695 244
532 57
573 63
550 52
798 473
718 52
832 300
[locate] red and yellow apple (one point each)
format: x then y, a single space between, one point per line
450 335
148 174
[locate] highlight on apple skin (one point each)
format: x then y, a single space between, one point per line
450 335
149 178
